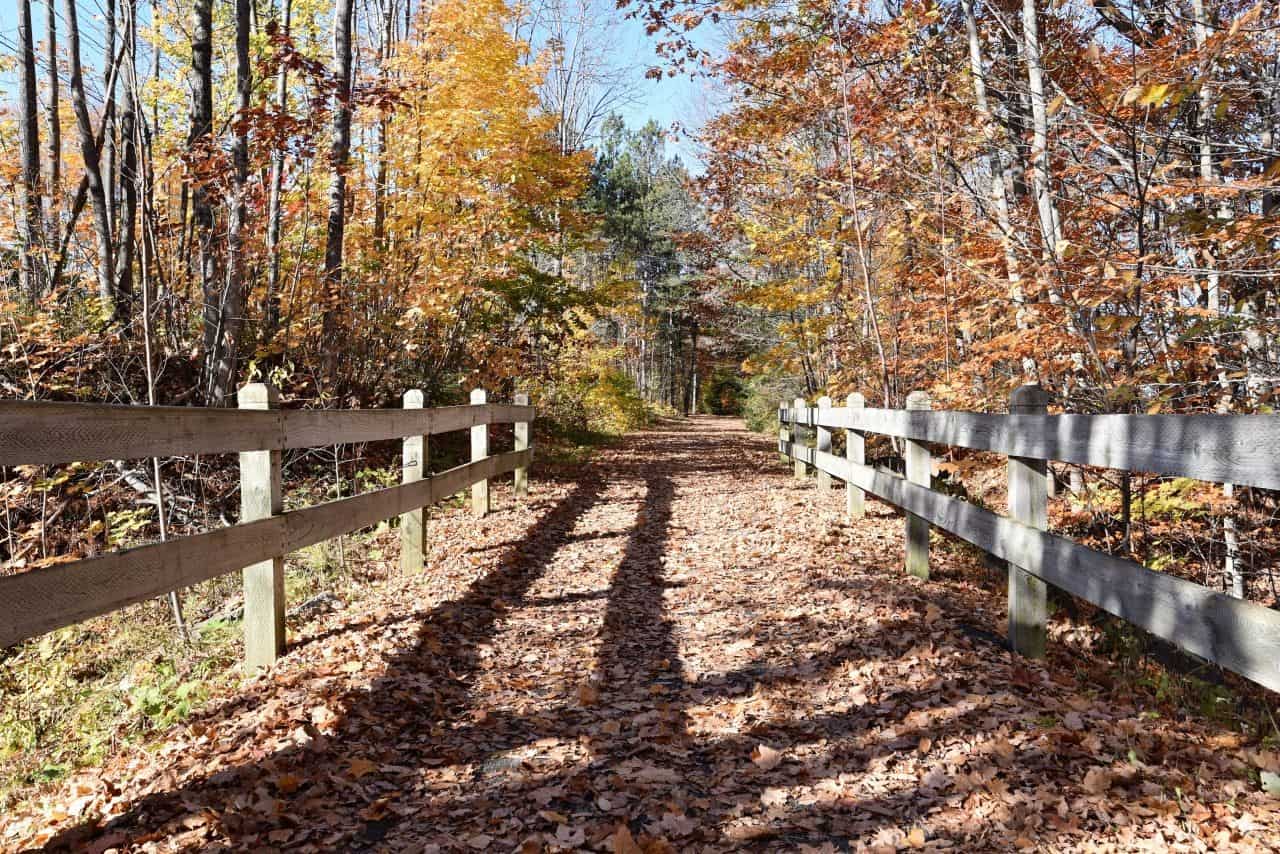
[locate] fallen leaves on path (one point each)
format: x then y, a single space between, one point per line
677 648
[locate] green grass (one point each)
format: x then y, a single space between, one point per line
71 698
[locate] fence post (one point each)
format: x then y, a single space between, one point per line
261 496
919 471
855 449
521 487
784 433
479 450
824 444
801 471
1028 504
413 525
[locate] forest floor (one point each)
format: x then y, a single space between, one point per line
675 646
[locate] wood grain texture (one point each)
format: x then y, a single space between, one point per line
1240 449
1028 504
855 444
42 432
36 432
822 441
413 524
261 497
520 481
797 436
39 601
480 502
919 470
1238 635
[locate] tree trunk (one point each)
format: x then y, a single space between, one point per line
271 311
231 314
90 151
1041 180
339 152
31 264
110 177
54 141
127 217
995 162
199 140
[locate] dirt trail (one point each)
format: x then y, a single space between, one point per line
677 647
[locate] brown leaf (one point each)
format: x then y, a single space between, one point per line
765 757
360 767
622 842
1097 780
287 784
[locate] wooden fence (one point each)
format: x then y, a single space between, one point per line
1238 635
40 600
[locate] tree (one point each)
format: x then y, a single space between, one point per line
90 152
31 231
339 152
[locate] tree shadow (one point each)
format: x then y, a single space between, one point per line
439 663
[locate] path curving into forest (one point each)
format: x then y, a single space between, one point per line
675 646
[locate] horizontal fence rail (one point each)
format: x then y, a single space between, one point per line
1239 449
44 599
1236 634
36 432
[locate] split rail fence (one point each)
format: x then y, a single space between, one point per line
1238 635
41 600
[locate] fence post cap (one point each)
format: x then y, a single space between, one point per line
919 400
413 398
824 402
520 398
1029 398
477 395
257 394
855 400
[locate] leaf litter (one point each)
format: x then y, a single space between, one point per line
673 647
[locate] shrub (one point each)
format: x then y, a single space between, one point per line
612 403
723 393
763 394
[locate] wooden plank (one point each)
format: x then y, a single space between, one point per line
801 470
37 432
520 482
919 469
855 500
480 502
413 525
261 497
1240 636
321 522
1240 449
823 442
1028 504
39 601
308 428
34 432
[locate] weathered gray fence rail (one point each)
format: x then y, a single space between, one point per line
38 601
1238 635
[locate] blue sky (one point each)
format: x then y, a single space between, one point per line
669 100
